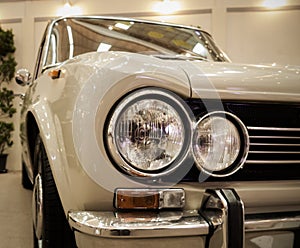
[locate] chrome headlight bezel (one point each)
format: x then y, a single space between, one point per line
156 94
235 123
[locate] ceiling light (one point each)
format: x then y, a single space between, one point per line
166 7
69 9
272 4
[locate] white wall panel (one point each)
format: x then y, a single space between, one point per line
201 20
39 29
264 37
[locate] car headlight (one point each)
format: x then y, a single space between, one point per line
220 144
149 132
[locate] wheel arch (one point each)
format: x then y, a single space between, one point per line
32 131
40 120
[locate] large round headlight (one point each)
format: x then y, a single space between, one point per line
149 132
220 144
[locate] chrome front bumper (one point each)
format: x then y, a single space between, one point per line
220 219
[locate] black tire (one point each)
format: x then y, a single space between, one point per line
56 232
26 183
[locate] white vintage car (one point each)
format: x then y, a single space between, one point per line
142 133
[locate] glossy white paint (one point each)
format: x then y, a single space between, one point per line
244 82
117 74
71 111
74 105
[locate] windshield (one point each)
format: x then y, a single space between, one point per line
74 36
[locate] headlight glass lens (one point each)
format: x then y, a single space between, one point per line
147 131
149 134
216 143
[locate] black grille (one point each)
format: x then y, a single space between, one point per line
274 130
277 146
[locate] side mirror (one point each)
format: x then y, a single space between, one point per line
23 77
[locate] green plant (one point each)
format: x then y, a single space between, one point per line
7 71
5 135
6 111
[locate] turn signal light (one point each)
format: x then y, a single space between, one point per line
54 74
144 199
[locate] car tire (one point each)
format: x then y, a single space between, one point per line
26 183
54 230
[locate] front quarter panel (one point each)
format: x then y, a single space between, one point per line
70 112
124 73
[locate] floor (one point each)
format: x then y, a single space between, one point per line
15 212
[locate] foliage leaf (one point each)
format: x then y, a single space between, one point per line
7 72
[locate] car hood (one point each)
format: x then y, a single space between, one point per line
243 82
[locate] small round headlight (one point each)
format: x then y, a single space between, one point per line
148 132
220 144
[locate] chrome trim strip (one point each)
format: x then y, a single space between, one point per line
272 162
267 148
272 144
272 224
273 128
275 152
170 224
139 225
274 137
